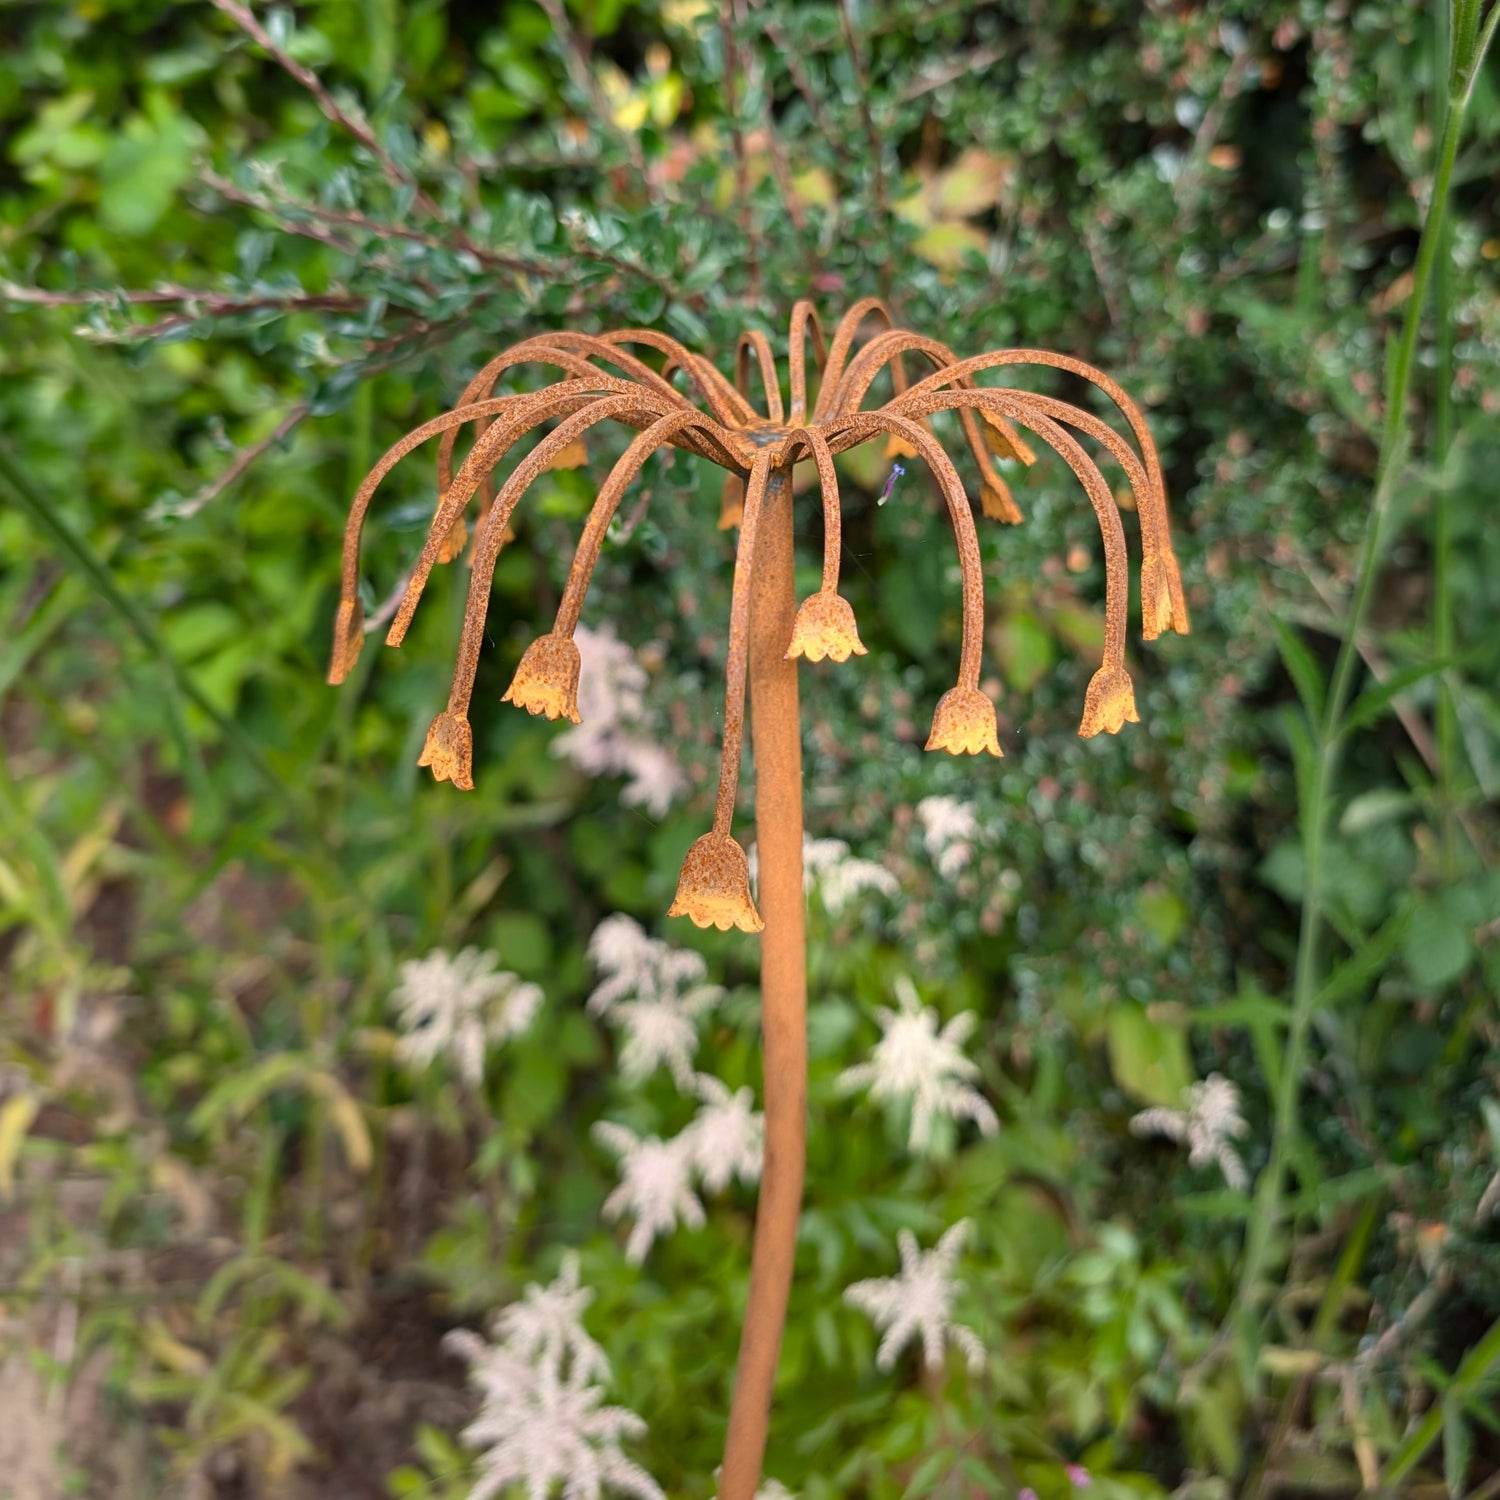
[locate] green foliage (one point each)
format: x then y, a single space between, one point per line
226 295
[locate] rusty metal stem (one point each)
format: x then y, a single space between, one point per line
776 743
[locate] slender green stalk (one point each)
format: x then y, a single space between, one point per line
1268 1211
82 557
1467 1379
1451 34
179 685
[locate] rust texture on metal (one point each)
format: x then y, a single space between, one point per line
684 401
776 743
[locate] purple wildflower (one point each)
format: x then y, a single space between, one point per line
896 472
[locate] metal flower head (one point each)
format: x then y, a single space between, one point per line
673 397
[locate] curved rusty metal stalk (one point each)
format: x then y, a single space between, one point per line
718 393
1016 403
737 659
864 425
1002 358
838 351
828 484
580 412
882 350
553 350
804 321
754 340
348 631
492 537
602 512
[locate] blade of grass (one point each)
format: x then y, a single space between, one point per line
82 557
289 799
1471 1373
1316 807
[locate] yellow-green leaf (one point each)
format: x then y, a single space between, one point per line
1149 1060
970 186
947 246
16 1115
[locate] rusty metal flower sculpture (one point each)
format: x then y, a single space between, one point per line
684 401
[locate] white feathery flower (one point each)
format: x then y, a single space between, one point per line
839 877
727 1138
537 1429
653 779
640 967
949 828
545 1328
658 1031
919 1302
611 700
620 947
655 1187
914 1061
459 1005
654 993
1208 1121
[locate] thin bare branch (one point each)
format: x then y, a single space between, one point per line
576 57
728 15
873 142
242 460
960 67
397 175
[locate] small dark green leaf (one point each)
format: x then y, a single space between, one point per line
1371 704
1302 667
1436 945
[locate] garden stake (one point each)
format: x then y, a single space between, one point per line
768 631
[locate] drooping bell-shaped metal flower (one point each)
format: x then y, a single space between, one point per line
448 750
453 543
1109 703
714 887
732 502
997 502
1162 605
964 724
546 682
825 626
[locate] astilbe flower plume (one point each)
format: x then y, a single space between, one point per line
924 1067
458 1006
949 828
540 1379
611 739
918 1303
1208 1122
727 1138
542 1429
655 1189
684 401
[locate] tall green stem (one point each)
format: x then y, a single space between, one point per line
1451 34
1269 1208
